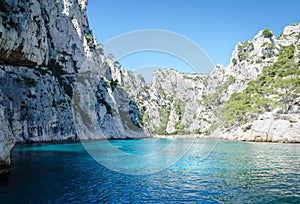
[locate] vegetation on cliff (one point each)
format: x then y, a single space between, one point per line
274 87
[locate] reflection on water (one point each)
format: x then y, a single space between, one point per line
234 172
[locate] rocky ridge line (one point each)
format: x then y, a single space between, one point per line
177 103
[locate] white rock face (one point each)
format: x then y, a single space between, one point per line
248 59
268 128
35 32
274 126
37 106
199 95
172 102
46 47
290 35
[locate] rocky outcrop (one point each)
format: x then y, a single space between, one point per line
177 103
279 123
40 32
49 64
114 115
37 105
269 127
173 104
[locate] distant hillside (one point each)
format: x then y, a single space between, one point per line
260 86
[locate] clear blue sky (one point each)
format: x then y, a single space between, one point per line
215 25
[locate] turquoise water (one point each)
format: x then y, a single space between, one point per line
233 173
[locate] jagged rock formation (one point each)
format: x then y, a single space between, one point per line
183 103
278 117
171 103
49 62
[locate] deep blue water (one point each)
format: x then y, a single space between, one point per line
234 172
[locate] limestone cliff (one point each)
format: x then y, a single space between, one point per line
260 84
49 64
171 103
273 110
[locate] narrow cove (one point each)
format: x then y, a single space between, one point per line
234 172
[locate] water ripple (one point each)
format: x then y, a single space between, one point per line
233 173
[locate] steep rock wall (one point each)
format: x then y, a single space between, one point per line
47 56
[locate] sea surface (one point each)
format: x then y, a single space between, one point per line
232 172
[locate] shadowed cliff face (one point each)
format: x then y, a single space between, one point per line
6 142
45 46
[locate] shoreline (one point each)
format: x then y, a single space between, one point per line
155 136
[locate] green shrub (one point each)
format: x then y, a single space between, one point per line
259 61
145 118
113 84
267 33
234 61
246 46
242 55
88 38
164 119
106 83
273 80
231 80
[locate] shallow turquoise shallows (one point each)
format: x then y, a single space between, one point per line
234 172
